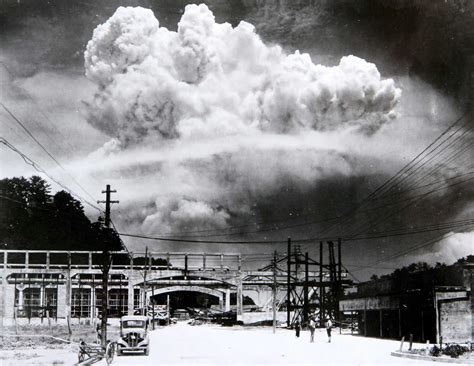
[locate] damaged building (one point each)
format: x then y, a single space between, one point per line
435 305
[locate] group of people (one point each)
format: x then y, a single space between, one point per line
312 328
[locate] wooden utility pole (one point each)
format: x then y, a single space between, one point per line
106 266
168 308
144 282
274 294
339 280
306 289
288 284
153 305
321 287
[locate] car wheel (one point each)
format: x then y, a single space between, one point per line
147 351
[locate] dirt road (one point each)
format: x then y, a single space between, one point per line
182 344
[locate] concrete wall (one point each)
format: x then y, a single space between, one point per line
455 321
9 301
62 301
261 295
251 318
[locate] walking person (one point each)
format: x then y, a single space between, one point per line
98 330
297 328
312 327
328 329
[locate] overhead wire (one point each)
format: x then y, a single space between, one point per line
434 148
395 177
38 168
411 201
17 120
409 250
386 186
228 230
384 206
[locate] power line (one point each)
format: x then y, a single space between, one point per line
413 200
410 163
38 168
201 241
377 235
337 217
45 150
379 219
391 180
412 249
411 232
435 155
229 230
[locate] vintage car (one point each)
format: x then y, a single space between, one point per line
133 335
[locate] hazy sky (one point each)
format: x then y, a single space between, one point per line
211 129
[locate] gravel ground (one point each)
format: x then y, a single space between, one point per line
183 344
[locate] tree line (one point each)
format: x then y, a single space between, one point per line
31 217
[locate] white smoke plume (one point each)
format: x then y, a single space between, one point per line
448 250
214 120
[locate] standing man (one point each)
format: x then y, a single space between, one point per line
297 328
312 327
328 329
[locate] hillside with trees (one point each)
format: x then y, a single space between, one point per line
31 217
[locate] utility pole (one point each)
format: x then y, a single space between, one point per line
340 291
144 282
106 266
274 304
288 284
306 290
322 315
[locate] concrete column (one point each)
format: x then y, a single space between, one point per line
9 300
90 260
222 261
27 259
130 297
204 261
240 305
68 290
92 304
47 260
62 294
20 289
3 297
227 299
42 294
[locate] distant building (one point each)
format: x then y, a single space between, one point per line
434 304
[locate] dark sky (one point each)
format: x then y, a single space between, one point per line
433 40
429 43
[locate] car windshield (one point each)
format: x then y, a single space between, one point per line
133 324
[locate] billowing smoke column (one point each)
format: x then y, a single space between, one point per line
208 81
